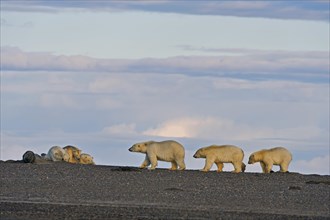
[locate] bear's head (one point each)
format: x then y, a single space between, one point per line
140 147
252 159
65 156
77 153
86 159
199 153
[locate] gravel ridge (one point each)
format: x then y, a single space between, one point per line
73 191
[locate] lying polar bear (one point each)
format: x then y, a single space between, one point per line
220 155
170 151
57 153
86 159
74 153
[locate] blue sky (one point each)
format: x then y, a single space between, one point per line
104 75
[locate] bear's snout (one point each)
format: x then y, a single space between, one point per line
130 149
195 156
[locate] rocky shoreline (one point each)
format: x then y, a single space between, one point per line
73 191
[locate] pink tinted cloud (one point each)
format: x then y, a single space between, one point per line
244 62
15 59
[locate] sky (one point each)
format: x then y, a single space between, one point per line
103 75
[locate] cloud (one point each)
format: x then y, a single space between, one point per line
107 103
308 65
285 90
307 10
14 58
319 164
27 24
105 110
226 129
58 100
120 129
110 85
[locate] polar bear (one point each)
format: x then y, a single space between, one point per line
274 156
57 153
170 151
73 152
221 154
86 159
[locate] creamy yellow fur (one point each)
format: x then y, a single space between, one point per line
274 156
74 153
220 155
170 151
86 159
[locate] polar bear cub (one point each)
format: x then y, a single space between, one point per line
220 155
86 159
170 151
57 153
274 156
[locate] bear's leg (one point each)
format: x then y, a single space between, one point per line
208 164
263 166
182 165
237 166
153 161
284 167
145 163
243 167
174 165
268 167
220 166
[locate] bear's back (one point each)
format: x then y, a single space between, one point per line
224 148
169 144
280 154
167 149
225 152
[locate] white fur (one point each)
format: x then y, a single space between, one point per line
221 154
86 159
57 153
274 156
170 151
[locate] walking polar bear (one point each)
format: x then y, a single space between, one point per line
274 156
170 151
221 154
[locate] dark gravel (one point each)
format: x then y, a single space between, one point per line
72 191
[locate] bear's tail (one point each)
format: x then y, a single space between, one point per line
243 167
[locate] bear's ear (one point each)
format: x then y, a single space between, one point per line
145 144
